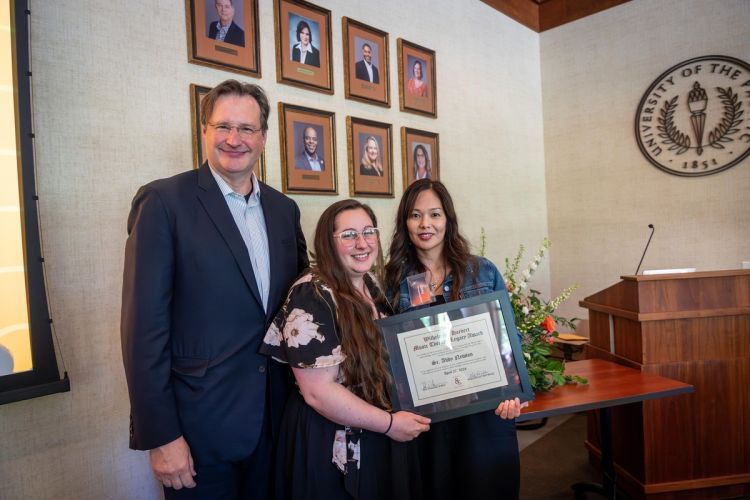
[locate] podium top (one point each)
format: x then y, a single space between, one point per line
673 296
684 276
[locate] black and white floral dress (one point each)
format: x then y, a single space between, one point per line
317 458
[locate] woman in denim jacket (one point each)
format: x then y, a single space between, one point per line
476 456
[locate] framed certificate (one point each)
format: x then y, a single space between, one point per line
456 359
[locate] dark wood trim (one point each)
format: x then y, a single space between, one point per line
542 15
525 12
614 311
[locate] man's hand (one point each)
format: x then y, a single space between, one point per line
173 464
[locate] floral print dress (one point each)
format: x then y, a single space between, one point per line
318 458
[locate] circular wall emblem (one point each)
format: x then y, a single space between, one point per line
693 120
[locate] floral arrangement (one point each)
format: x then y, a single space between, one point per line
536 321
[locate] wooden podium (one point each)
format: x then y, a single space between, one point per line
693 327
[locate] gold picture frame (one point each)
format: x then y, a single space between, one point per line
304 169
370 152
366 63
417 84
240 49
414 144
310 69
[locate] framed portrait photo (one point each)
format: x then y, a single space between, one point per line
420 155
224 34
370 148
303 45
366 76
308 150
197 93
417 87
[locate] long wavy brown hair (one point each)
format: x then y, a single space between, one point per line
366 366
403 255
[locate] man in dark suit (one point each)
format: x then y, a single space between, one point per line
225 29
309 159
364 69
209 258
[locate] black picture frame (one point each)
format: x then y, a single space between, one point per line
421 337
43 377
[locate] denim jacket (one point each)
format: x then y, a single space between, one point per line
488 280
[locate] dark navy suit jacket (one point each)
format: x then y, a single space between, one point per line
360 72
235 34
192 317
312 58
301 162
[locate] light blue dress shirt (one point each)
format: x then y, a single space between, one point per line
248 215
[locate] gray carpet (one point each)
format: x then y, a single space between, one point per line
550 465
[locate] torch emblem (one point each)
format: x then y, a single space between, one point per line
697 101
691 121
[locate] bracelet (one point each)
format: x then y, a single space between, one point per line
390 424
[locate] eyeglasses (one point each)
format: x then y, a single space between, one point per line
224 129
350 236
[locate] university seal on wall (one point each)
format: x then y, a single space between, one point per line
693 120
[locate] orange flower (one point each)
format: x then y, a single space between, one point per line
549 324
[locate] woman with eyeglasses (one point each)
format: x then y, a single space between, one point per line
475 456
422 166
339 437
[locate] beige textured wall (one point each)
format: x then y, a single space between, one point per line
601 192
111 106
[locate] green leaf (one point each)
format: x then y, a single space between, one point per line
554 365
543 350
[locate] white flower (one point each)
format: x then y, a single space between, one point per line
522 284
334 359
300 329
526 274
354 447
533 265
273 336
525 310
339 450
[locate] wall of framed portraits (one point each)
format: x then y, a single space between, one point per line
113 109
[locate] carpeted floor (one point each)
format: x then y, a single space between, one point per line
551 464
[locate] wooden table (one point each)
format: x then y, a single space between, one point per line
609 385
